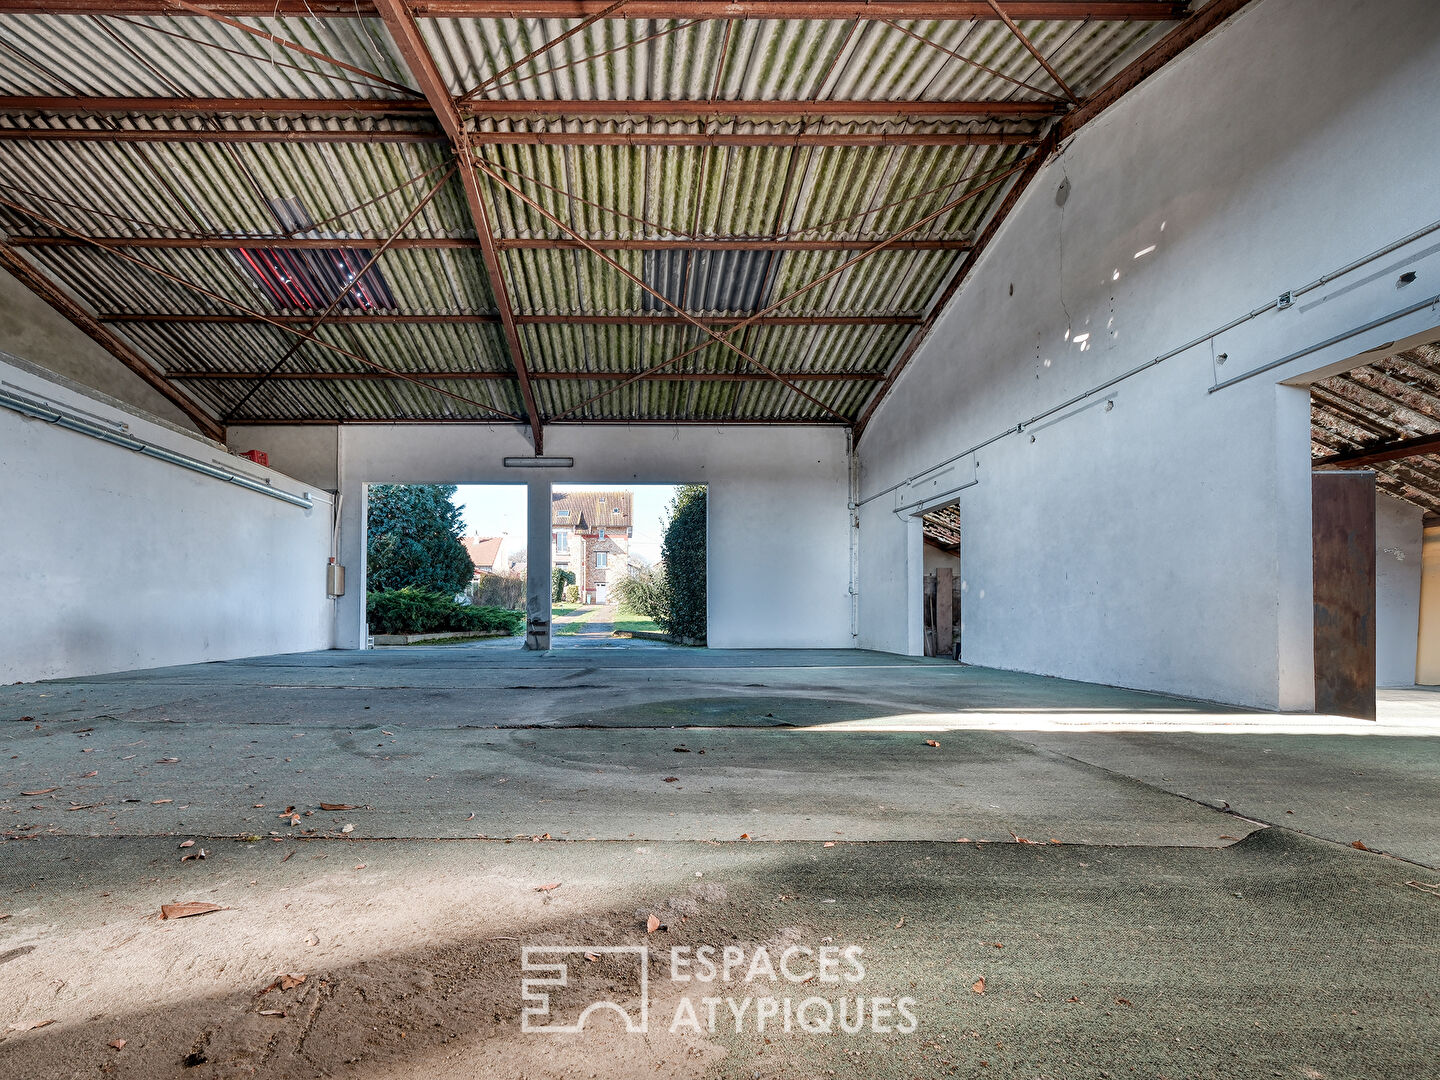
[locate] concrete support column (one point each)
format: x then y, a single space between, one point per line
537 574
915 586
1295 553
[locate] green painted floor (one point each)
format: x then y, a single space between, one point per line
1146 886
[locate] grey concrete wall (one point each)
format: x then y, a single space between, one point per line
34 331
1157 535
1398 538
779 543
110 560
307 453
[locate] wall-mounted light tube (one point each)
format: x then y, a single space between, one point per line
539 463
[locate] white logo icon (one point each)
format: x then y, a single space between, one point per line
549 962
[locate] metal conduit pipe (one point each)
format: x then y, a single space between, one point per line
81 426
1323 279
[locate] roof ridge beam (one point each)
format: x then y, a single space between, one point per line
502 243
406 35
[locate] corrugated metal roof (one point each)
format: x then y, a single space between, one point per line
1381 402
359 190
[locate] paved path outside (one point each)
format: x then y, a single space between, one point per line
592 624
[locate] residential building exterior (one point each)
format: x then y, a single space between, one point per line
590 534
484 553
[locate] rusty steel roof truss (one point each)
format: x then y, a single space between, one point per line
626 211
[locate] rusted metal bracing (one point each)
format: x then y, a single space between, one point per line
441 243
402 27
747 171
1079 10
1385 416
13 262
340 294
600 376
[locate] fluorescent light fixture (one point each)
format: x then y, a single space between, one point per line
539 463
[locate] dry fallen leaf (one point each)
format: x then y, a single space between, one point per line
42 791
901 923
829 843
118 1044
744 836
652 924
32 1027
979 985
547 888
201 854
290 981
1021 840
336 806
1123 1001
1357 844
931 742
672 779
188 843
188 908
361 866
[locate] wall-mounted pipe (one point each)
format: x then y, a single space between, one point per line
1335 340
72 422
1323 279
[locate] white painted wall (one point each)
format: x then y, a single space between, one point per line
935 558
779 529
1163 542
31 328
111 561
1398 537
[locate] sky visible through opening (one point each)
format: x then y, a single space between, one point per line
499 510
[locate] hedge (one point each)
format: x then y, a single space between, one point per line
417 611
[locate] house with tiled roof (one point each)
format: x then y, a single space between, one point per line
590 534
484 552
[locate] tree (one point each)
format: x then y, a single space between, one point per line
414 539
559 578
682 554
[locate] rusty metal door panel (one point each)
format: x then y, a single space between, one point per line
1343 512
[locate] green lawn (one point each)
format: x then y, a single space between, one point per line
580 615
627 622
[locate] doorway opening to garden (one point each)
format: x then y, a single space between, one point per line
628 563
445 564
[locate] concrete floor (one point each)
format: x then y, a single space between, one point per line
1115 883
